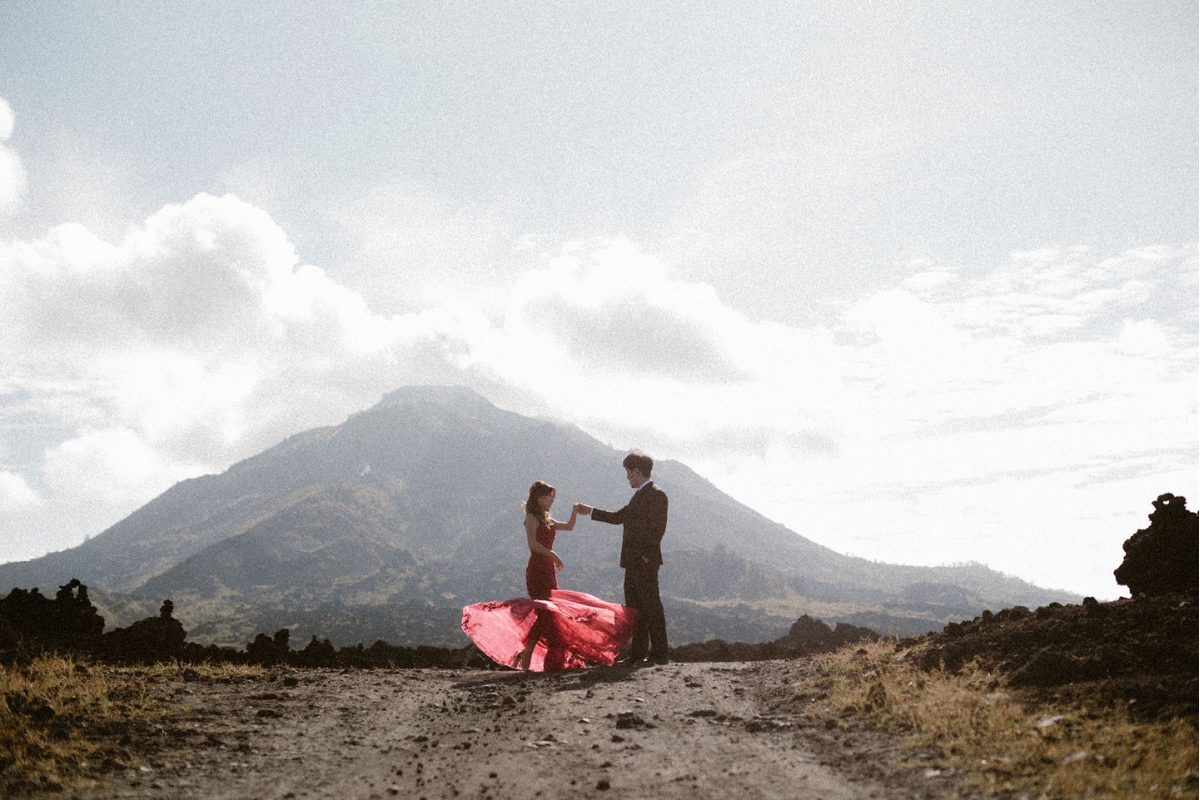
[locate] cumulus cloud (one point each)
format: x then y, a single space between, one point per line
16 494
632 337
115 466
956 403
616 310
12 175
200 331
200 338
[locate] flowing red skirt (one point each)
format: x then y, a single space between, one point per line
577 628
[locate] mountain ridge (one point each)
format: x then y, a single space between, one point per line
416 500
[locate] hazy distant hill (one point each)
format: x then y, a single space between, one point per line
414 504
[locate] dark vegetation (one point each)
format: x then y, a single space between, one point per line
32 624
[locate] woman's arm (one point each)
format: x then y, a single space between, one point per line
536 547
569 525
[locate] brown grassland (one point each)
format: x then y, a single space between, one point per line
996 741
63 719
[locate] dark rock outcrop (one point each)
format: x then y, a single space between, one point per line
807 636
807 631
31 623
1141 650
1162 559
149 640
270 650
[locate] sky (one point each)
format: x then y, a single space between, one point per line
916 279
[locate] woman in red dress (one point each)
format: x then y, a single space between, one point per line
554 629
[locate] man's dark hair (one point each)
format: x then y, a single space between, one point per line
639 461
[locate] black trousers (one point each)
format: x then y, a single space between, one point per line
641 593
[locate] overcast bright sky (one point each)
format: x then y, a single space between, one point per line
918 280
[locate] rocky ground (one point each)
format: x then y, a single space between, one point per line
680 730
1141 652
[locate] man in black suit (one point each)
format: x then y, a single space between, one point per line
645 521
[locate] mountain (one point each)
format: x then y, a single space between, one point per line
415 503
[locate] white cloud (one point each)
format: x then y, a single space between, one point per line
616 311
16 494
12 175
114 466
199 339
929 280
1143 338
200 331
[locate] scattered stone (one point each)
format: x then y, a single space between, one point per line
761 724
627 720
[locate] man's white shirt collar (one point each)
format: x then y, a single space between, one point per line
643 486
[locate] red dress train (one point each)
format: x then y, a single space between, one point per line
572 628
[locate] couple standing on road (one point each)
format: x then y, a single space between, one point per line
557 629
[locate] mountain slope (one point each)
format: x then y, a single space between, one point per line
416 500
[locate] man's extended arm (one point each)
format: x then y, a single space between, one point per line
613 517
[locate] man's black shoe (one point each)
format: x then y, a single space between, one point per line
661 661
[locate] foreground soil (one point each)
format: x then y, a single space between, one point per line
1096 700
680 730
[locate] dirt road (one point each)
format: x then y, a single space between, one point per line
677 731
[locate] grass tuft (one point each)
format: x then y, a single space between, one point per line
64 721
1003 741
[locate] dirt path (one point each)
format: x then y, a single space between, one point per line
679 731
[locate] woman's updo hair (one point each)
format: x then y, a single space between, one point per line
531 505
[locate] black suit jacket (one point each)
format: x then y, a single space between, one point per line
645 521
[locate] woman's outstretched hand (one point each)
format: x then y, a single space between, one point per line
580 508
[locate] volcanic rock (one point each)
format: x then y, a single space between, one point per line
1161 559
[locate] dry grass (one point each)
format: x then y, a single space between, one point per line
62 720
998 742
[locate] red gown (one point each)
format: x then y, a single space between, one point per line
572 628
